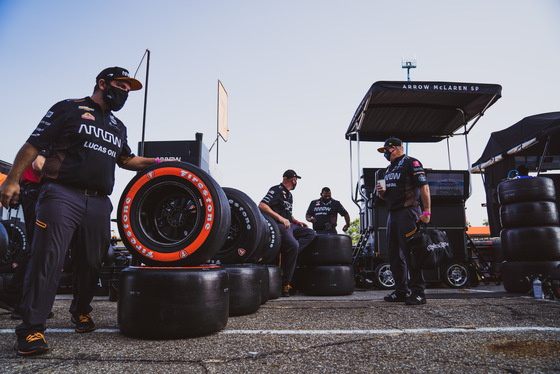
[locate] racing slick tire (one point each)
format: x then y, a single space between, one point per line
531 243
271 246
13 251
173 214
245 232
245 290
4 245
172 303
327 280
328 250
526 189
383 277
456 274
529 213
274 281
264 281
517 275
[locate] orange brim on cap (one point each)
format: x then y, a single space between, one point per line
135 84
382 149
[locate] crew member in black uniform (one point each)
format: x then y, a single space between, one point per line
85 142
296 235
323 213
404 180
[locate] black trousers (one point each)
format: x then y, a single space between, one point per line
66 217
400 223
294 240
28 200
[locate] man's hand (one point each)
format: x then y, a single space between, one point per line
302 224
9 193
424 218
285 222
345 228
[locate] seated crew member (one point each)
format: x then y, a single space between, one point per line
295 234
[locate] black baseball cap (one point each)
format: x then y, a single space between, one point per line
391 142
289 174
120 74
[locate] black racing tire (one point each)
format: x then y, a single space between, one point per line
529 213
245 232
526 189
517 275
273 240
327 280
383 277
264 281
173 214
245 289
14 251
333 249
172 303
531 243
456 274
274 281
5 253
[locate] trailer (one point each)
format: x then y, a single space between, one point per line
422 112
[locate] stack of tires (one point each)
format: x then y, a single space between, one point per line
531 236
325 267
176 220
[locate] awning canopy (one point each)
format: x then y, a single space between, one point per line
526 135
419 111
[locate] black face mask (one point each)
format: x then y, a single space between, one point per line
115 97
387 155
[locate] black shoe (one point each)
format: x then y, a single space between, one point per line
286 291
415 299
7 302
395 297
83 322
17 315
32 344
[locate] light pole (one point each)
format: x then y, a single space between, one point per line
408 65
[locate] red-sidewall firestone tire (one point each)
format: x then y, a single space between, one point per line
173 214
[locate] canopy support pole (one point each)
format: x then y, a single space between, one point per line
448 153
543 154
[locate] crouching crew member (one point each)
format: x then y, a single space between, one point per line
403 179
85 142
323 213
296 235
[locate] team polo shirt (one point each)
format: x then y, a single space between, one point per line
84 145
325 212
279 199
402 179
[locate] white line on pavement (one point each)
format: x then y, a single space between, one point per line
347 332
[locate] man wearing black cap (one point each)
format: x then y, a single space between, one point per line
85 141
295 234
404 178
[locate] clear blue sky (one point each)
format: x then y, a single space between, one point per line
295 72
